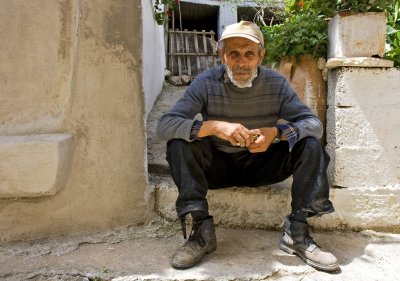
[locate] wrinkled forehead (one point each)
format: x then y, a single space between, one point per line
240 44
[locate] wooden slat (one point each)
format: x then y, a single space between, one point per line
196 48
187 50
214 50
178 49
205 47
191 32
171 48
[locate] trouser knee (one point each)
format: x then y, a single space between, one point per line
312 148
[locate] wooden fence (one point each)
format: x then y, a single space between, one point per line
191 52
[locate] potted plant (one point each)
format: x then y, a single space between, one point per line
358 29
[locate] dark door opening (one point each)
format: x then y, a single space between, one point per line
195 17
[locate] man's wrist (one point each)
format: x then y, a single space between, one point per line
195 129
278 136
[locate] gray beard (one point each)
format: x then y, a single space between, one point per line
246 84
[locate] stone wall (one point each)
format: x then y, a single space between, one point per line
363 142
72 138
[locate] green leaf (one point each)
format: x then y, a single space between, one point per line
390 30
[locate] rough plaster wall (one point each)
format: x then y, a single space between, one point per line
35 51
87 66
153 55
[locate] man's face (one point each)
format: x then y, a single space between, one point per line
241 57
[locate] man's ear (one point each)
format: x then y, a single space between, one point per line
221 55
262 53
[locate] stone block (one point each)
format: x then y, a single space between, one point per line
358 62
363 106
363 208
349 37
261 207
360 167
175 80
34 165
348 126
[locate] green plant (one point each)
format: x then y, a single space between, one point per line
160 14
362 5
320 7
392 49
303 32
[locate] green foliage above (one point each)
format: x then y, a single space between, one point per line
392 50
304 31
161 14
362 5
300 34
330 7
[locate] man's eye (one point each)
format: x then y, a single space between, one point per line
249 54
233 54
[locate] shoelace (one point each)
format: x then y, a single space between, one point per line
195 238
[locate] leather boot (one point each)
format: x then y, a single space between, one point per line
202 240
296 239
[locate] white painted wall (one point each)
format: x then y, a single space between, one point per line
153 56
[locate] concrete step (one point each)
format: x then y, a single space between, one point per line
265 207
245 207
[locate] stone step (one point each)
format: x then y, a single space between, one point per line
265 207
245 207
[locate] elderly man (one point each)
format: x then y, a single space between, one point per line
240 142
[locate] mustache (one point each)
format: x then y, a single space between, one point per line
241 70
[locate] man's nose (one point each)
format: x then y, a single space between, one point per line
241 60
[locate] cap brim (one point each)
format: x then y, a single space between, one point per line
232 35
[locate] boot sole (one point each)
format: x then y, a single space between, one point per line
197 261
288 250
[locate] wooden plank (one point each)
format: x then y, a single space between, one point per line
192 32
205 47
173 20
171 51
178 49
196 48
214 50
187 50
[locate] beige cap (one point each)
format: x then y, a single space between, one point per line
244 29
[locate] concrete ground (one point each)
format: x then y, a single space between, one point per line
143 253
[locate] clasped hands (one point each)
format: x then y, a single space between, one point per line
255 140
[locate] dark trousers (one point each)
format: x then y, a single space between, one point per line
198 166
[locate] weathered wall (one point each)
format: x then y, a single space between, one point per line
71 69
363 142
153 55
363 112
